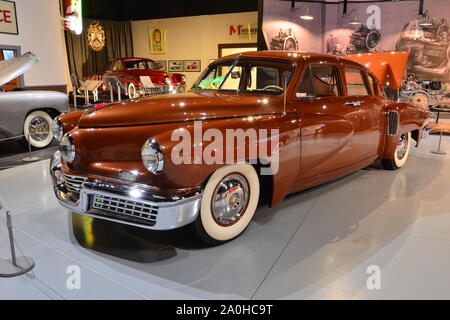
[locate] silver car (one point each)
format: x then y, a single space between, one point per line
27 114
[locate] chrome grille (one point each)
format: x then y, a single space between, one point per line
393 123
73 183
123 209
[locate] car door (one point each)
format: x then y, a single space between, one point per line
368 106
326 122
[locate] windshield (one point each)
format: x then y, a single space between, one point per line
140 65
247 75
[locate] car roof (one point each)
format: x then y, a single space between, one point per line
131 59
290 55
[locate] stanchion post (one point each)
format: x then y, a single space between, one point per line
30 158
11 237
17 265
29 146
438 151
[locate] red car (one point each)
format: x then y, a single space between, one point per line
129 72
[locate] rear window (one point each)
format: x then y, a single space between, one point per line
356 86
319 81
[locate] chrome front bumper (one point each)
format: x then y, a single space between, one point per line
125 203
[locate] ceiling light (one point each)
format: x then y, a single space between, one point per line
424 20
306 15
355 21
425 23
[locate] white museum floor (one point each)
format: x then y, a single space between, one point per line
315 245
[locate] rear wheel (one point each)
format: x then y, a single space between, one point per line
228 204
37 129
401 153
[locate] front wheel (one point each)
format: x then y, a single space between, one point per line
401 153
229 202
37 129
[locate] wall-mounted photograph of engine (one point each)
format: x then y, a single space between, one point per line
285 40
428 82
346 40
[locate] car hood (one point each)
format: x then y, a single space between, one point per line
10 69
199 105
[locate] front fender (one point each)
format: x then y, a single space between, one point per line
70 120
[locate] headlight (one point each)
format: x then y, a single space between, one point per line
67 148
183 78
57 129
167 79
152 156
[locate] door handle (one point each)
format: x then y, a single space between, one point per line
354 103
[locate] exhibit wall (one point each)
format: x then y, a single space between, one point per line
194 38
39 30
86 59
384 26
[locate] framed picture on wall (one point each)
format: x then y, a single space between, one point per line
192 65
157 40
175 65
162 64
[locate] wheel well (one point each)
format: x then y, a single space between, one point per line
52 112
415 136
266 185
265 193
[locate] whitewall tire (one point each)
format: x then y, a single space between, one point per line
37 129
228 204
401 153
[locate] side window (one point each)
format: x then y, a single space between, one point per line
263 78
319 81
117 65
356 86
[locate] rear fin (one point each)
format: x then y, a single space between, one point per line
388 67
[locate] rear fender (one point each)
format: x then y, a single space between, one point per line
404 117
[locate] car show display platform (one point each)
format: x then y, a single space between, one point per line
323 243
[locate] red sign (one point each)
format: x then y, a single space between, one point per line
8 23
243 30
233 30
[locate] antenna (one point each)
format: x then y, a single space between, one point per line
284 97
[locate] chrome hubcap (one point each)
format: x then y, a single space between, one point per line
402 146
230 199
39 129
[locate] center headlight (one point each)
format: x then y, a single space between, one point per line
67 148
152 156
57 129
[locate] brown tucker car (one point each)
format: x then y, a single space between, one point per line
327 117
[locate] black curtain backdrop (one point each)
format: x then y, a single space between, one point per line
83 61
